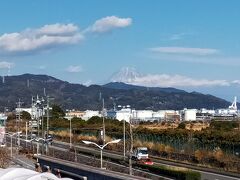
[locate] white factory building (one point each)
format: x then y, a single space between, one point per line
85 115
145 115
89 113
207 111
142 115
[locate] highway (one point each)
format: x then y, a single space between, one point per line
61 151
206 174
90 160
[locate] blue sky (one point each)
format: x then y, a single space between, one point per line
191 45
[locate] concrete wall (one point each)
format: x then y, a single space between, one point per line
82 170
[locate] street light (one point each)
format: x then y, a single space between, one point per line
11 135
131 146
101 147
37 140
124 134
103 114
70 133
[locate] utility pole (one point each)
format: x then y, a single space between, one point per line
38 119
18 119
70 133
131 147
37 104
42 123
47 131
5 113
44 92
124 140
103 123
42 120
47 115
32 117
26 134
42 113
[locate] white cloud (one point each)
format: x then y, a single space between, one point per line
74 69
52 36
58 29
165 80
131 76
6 65
44 38
184 50
214 59
109 23
177 36
236 82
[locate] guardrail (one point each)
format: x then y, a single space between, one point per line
83 170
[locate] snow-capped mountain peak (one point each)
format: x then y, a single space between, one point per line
126 75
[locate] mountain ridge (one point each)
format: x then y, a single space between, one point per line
126 86
77 96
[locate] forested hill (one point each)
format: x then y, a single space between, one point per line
81 97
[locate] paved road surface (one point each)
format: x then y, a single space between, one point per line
204 174
212 176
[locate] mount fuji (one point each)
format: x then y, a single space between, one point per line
126 75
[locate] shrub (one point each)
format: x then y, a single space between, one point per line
223 125
169 149
182 125
218 154
4 158
200 154
181 175
159 147
137 143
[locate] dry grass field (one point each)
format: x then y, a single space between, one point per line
162 126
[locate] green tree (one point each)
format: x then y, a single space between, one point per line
77 122
57 112
182 125
95 120
223 125
11 116
26 115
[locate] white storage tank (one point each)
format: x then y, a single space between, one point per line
124 114
144 114
190 114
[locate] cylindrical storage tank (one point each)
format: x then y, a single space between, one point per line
190 115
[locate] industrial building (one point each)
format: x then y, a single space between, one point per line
189 114
127 114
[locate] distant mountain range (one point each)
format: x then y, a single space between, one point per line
81 97
124 86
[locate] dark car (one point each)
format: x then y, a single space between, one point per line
49 139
